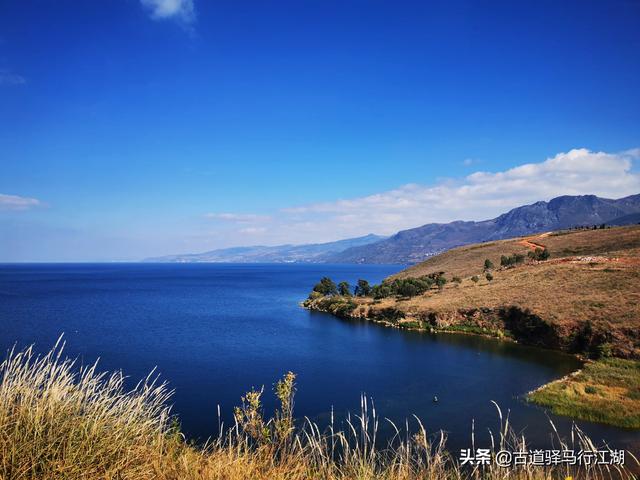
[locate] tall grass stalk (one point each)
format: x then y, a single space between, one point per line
60 420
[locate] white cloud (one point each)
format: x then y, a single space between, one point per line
252 230
15 202
182 10
237 217
8 78
478 196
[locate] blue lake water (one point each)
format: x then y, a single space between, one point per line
213 331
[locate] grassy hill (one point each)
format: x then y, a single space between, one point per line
584 298
468 260
581 296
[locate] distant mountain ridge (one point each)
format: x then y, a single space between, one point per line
307 253
416 244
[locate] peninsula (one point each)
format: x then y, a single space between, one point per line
574 290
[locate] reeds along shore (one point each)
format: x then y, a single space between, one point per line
62 421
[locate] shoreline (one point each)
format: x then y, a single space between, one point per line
588 400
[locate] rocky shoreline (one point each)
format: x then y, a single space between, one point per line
511 323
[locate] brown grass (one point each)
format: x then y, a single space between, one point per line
598 287
468 260
58 421
584 299
558 292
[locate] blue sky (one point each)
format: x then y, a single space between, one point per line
135 128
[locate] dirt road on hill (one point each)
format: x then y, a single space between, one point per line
526 242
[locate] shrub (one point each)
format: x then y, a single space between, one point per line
539 254
408 289
381 291
315 295
590 389
337 305
456 280
513 259
488 264
475 279
488 276
342 308
604 350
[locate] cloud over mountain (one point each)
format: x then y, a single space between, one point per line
477 196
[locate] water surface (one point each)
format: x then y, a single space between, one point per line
214 331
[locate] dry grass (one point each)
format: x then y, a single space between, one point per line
557 292
591 278
585 299
468 260
58 421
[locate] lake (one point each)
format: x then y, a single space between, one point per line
213 331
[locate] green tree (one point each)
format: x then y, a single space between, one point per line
363 289
408 289
488 264
344 289
540 254
381 291
326 286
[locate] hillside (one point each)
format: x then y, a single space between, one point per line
584 298
416 244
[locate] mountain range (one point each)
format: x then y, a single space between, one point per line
307 253
416 244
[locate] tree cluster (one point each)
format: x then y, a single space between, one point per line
601 226
511 260
326 286
539 254
404 287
